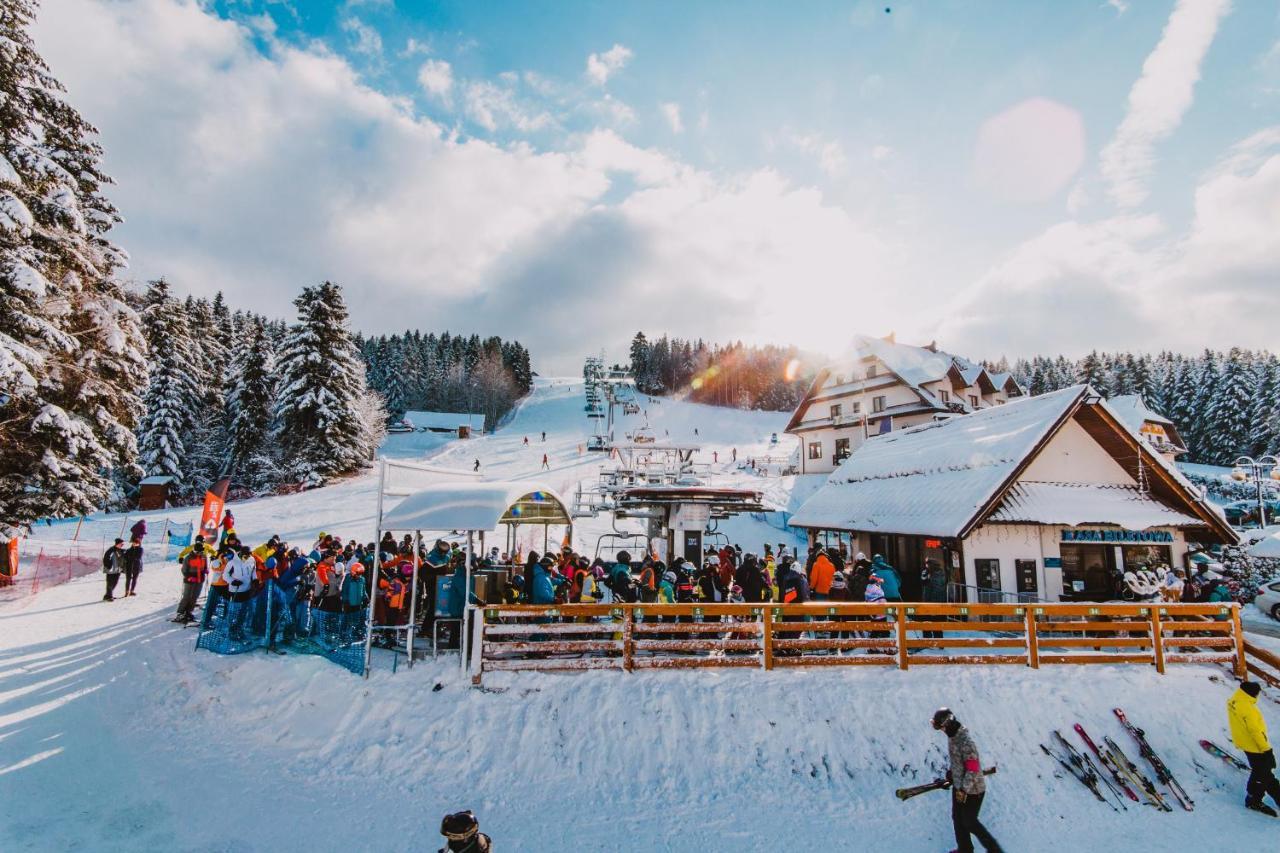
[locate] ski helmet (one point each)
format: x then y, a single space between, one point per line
941 717
459 826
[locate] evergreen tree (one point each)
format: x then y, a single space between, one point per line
172 391
321 389
1205 392
1093 372
1265 415
1228 433
250 398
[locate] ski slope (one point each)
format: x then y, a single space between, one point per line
116 736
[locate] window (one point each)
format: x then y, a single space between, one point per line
877 404
835 410
944 395
855 407
839 379
815 450
842 449
973 401
871 372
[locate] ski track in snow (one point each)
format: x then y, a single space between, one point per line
115 735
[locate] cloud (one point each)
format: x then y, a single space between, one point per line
1030 151
881 153
364 38
495 107
827 153
268 172
436 78
1128 282
671 112
602 66
1160 98
1121 6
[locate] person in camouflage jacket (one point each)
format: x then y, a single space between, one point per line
968 785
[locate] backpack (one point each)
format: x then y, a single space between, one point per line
353 591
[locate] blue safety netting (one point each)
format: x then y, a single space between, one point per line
272 619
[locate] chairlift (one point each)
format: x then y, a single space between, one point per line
643 435
597 443
630 409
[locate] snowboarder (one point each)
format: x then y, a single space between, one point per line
112 566
463 833
546 463
132 566
968 785
1249 734
476 467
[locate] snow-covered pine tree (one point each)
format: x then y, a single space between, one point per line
1265 415
1229 413
1093 371
394 382
1208 375
70 359
322 389
172 391
251 397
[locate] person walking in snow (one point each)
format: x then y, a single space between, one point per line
1249 734
112 566
132 566
968 785
546 463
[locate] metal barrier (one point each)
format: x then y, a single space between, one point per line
676 636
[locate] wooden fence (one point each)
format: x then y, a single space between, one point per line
678 636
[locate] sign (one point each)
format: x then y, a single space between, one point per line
1117 536
9 560
1053 562
933 543
214 500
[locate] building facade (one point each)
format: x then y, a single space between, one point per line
885 386
1052 497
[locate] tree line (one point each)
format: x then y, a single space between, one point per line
1225 404
447 373
770 377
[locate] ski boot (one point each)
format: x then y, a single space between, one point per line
1260 806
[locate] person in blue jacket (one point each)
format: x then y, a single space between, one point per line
889 580
538 579
456 588
295 606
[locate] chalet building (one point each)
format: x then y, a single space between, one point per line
886 386
1151 426
1052 496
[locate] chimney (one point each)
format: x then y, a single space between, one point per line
933 346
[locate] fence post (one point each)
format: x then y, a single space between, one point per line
1242 669
767 638
628 638
1157 639
902 637
1033 639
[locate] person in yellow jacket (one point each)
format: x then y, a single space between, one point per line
1249 734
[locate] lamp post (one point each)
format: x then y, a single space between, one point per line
1246 467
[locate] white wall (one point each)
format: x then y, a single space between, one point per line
1072 456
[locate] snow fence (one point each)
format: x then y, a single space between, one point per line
273 618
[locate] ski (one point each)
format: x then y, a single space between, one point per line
1163 774
1218 752
1082 775
1078 757
1111 767
1144 784
935 785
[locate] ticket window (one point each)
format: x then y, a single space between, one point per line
1138 557
1087 572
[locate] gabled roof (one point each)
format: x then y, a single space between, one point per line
1087 503
1134 412
947 477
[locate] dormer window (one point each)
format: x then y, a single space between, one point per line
839 379
871 372
944 395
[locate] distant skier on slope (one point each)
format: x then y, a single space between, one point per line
968 786
544 435
477 466
546 463
1249 733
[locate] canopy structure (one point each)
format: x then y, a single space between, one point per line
476 507
465 506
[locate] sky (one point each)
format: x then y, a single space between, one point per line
1004 178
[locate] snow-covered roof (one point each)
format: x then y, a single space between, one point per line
440 420
1268 547
475 506
1133 410
932 479
1086 503
916 365
157 480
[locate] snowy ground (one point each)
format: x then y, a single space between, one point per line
115 735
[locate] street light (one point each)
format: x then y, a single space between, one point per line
1256 468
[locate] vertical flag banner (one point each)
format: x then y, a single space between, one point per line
9 560
214 500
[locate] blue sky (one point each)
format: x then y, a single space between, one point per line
790 172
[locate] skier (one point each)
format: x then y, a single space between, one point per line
968 785
132 566
477 466
1249 734
888 578
526 441
112 566
544 436
821 573
228 527
546 463
463 833
195 564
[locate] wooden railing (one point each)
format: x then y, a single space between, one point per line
766 636
1262 663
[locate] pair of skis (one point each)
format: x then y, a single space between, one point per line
1163 774
936 785
1084 770
1126 775
1218 752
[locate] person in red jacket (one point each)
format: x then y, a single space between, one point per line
195 566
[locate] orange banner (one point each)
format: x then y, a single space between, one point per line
9 565
214 500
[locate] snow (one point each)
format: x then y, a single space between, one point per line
1267 547
116 736
932 479
1086 503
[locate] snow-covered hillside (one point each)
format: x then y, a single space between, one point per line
116 735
